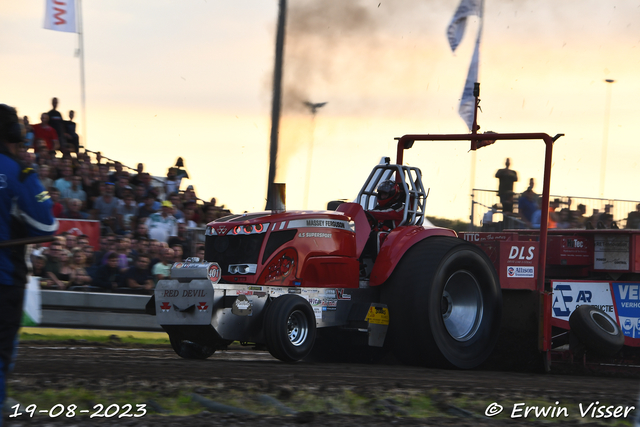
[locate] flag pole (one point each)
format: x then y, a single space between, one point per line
82 82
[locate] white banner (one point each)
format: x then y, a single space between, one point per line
60 15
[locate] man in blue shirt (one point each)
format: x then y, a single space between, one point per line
25 211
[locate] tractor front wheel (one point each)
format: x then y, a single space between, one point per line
289 328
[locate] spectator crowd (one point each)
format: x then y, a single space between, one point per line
144 220
528 210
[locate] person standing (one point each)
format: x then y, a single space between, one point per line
25 211
506 178
56 122
527 203
70 134
42 131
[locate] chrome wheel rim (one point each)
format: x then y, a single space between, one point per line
297 328
461 305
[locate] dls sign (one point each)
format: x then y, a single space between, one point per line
518 266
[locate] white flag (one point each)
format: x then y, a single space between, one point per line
455 32
466 8
60 15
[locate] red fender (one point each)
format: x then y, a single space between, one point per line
396 244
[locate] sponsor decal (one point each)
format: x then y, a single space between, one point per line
325 308
514 271
177 265
567 296
315 301
214 272
194 293
196 265
294 291
242 304
170 293
314 235
202 306
330 302
321 222
520 252
330 292
317 311
476 237
221 229
255 288
243 292
165 306
341 295
576 243
378 315
627 297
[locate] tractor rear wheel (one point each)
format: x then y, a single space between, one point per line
289 328
445 305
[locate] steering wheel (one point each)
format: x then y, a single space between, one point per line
372 220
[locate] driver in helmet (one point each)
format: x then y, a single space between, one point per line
389 210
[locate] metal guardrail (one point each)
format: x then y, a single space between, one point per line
92 310
482 200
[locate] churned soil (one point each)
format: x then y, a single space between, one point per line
384 387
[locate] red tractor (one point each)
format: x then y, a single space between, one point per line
300 283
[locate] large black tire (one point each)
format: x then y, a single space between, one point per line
189 349
596 330
445 305
289 328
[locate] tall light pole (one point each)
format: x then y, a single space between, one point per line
314 109
605 136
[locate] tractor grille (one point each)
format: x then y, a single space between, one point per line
234 249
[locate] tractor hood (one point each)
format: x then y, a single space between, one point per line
291 248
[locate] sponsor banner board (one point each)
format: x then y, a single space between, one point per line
627 297
611 252
619 300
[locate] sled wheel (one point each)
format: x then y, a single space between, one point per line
596 330
445 305
189 349
289 328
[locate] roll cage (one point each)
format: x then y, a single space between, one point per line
410 181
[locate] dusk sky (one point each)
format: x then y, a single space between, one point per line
193 79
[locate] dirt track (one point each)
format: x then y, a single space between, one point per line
109 368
